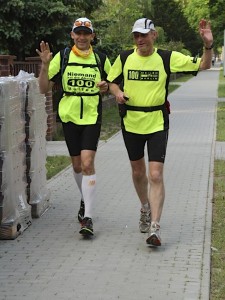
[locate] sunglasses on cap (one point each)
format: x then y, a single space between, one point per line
82 23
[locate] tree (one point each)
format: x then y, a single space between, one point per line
169 15
114 23
88 6
195 10
38 20
217 17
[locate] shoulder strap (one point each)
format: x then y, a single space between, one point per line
64 56
165 55
124 55
100 60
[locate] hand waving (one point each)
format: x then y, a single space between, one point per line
205 32
45 53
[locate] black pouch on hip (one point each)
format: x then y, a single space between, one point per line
122 110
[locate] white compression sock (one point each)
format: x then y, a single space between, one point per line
88 191
78 178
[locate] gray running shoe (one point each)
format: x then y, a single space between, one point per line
145 221
154 235
86 227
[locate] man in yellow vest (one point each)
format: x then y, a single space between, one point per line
80 108
145 116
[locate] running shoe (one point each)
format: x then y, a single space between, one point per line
81 211
154 235
145 221
86 227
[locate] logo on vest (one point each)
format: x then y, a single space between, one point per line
143 75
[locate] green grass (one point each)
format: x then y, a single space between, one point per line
55 164
173 87
183 78
220 130
217 289
110 122
221 86
218 233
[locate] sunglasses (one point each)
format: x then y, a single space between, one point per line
81 23
142 35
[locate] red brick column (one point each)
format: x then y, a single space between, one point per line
6 62
48 103
50 118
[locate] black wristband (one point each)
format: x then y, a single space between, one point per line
209 48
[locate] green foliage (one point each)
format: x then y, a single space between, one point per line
217 17
39 20
175 46
88 6
176 21
114 22
168 15
196 10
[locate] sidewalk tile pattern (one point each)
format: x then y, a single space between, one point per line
52 261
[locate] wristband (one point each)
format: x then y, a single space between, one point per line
209 48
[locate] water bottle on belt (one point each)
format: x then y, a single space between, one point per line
122 108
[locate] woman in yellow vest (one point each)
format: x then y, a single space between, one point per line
80 108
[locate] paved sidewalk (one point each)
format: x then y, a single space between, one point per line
50 260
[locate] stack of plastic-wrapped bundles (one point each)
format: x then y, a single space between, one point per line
23 186
15 211
35 128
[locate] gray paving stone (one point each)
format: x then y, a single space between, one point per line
50 260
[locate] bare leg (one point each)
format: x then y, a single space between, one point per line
157 190
140 179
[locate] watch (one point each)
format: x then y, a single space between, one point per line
209 48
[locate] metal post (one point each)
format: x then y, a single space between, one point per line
223 55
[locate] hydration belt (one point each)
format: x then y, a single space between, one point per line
145 108
80 94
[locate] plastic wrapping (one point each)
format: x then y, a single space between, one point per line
23 125
35 128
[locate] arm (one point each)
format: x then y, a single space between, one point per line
116 91
44 83
207 37
103 85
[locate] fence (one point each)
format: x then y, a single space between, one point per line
10 67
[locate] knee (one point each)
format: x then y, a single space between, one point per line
155 177
87 167
138 173
77 169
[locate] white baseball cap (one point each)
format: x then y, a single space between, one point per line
83 24
143 25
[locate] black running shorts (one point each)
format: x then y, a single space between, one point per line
156 145
81 137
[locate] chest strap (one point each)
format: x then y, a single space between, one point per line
80 94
